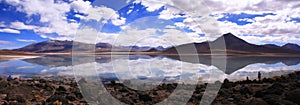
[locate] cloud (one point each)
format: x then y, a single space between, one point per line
102 12
154 37
8 30
117 20
2 24
22 26
97 13
3 42
81 6
170 12
26 40
151 5
268 25
270 39
52 16
198 18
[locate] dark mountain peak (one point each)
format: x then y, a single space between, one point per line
230 39
290 44
228 34
234 44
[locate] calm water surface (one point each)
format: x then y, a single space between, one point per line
153 68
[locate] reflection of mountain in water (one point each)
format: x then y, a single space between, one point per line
233 63
238 62
60 60
52 61
65 60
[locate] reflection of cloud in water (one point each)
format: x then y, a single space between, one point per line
267 70
146 68
26 67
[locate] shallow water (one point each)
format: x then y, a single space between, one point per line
145 68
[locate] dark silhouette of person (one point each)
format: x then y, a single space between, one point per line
259 76
9 78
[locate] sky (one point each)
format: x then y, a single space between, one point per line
148 22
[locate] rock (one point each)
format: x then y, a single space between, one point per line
21 99
3 102
61 91
42 81
154 93
145 97
272 99
36 82
293 96
11 97
14 103
71 97
3 96
38 97
3 84
56 98
226 81
286 102
78 95
61 88
230 99
255 101
113 82
245 90
276 88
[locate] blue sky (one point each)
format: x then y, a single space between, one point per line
258 22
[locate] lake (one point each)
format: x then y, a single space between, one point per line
146 68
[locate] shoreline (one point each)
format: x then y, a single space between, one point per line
277 90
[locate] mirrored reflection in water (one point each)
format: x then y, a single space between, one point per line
145 68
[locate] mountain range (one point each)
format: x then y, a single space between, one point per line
233 45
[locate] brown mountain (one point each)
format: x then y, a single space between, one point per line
47 46
233 45
57 46
54 46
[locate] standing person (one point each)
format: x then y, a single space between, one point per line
259 76
9 78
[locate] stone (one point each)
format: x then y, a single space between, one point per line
293 96
145 97
20 99
272 99
61 88
71 97
3 84
3 102
3 96
276 88
55 98
255 101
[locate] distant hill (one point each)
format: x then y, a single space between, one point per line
291 46
47 46
57 46
233 45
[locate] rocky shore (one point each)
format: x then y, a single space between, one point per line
279 90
